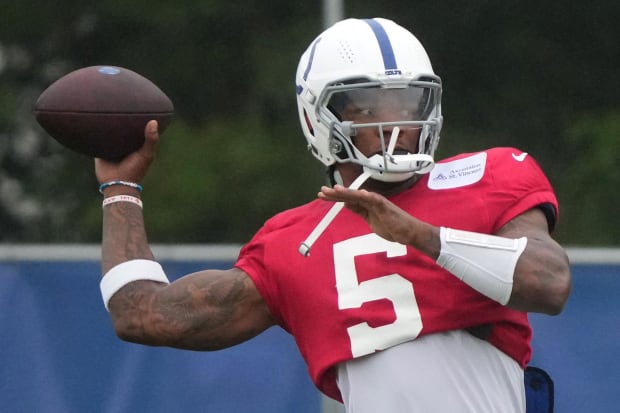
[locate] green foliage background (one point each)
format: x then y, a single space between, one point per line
539 75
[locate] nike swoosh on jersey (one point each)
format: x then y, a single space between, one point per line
519 158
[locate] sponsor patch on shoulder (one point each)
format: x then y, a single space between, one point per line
461 172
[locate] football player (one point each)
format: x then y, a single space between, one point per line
406 285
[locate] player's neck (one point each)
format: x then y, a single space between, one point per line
349 172
388 189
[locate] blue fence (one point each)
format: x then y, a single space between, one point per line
59 352
580 348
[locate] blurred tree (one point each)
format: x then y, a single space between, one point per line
228 69
531 74
589 186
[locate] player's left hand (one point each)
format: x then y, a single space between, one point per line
386 219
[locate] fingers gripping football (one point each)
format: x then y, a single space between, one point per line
132 168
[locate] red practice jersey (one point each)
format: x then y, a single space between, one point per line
357 293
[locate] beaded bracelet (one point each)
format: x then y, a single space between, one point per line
125 183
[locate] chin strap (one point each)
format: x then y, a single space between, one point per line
397 168
387 167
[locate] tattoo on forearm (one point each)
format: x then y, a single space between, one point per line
124 236
194 314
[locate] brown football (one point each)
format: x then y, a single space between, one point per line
101 111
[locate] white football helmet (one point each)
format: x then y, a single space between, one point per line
358 61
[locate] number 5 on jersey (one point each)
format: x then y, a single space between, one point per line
353 294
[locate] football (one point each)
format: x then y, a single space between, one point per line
101 111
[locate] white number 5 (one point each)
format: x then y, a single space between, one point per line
352 294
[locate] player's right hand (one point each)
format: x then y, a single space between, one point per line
133 167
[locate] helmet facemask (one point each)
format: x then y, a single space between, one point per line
413 107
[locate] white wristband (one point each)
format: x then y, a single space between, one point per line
484 262
129 271
122 198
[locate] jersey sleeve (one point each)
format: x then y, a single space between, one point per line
252 261
519 185
271 254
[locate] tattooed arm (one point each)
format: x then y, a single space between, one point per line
207 310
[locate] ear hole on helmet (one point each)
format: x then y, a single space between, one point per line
308 123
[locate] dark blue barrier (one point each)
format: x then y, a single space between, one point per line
59 352
580 348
